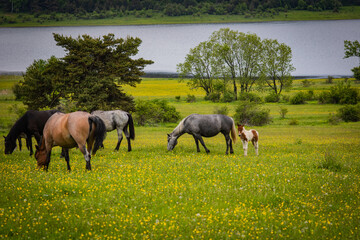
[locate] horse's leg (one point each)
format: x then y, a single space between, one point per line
65 153
120 137
86 154
197 144
202 143
48 155
228 144
256 145
127 135
245 146
20 145
29 143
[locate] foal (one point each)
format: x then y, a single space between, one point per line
246 136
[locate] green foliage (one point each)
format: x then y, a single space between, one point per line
272 97
283 111
249 113
356 71
294 122
329 80
190 98
151 112
87 76
334 119
224 110
298 98
350 113
331 161
341 93
249 96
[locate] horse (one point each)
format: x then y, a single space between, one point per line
246 136
119 120
30 124
200 126
71 130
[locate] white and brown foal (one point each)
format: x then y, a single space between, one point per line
246 136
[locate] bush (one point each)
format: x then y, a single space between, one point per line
294 122
214 97
350 113
250 113
228 97
154 112
251 97
272 97
283 111
298 98
356 71
329 80
334 119
341 93
190 98
221 110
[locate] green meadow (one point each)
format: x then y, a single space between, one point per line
305 183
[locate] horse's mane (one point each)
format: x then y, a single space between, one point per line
179 128
18 127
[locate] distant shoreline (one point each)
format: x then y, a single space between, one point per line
176 75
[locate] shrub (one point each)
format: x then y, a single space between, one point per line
298 98
306 83
334 119
214 97
251 114
350 113
330 162
283 111
228 97
329 80
154 112
251 97
272 97
221 110
190 98
294 122
341 93
177 98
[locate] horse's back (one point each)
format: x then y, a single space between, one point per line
112 119
208 125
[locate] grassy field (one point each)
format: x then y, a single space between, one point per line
305 183
27 20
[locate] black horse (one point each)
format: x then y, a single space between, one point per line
30 124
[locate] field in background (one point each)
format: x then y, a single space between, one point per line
305 184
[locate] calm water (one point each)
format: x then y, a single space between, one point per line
318 46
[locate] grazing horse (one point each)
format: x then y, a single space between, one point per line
30 124
119 120
204 126
68 131
246 136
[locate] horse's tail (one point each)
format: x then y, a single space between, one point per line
99 132
131 126
233 132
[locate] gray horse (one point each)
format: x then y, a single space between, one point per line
204 126
119 120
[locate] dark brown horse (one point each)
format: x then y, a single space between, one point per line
76 129
30 124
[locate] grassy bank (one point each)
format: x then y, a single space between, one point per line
26 20
305 184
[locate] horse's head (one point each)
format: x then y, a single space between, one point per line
240 129
172 141
10 145
40 155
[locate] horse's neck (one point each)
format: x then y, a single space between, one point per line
179 130
18 128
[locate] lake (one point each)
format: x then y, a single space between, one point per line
317 46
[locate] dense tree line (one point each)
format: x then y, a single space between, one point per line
169 7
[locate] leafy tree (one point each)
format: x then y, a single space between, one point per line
40 87
352 49
276 65
89 74
201 65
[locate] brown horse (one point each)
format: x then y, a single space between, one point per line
68 131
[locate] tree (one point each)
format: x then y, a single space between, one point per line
352 49
90 73
40 88
201 65
276 65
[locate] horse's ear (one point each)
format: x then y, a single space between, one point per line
168 135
